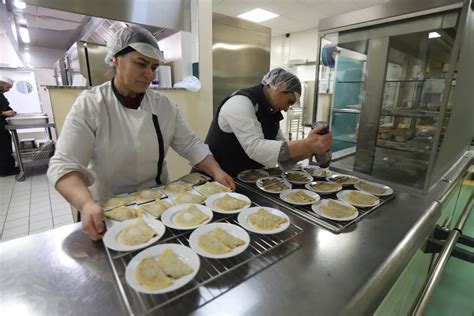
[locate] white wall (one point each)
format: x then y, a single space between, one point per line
299 45
8 55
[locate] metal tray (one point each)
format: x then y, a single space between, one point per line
215 277
28 119
307 213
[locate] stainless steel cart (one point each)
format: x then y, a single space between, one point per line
27 154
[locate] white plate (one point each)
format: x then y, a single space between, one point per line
111 235
310 169
388 190
241 175
260 185
322 173
168 217
342 195
308 186
243 220
234 230
332 177
309 178
314 195
186 254
316 208
210 202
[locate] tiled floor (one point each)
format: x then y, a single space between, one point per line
30 207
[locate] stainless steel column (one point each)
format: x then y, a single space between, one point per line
370 113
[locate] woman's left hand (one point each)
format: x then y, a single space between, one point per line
223 178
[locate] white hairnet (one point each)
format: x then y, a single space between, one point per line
292 83
6 79
139 39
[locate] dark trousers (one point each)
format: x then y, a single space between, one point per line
7 162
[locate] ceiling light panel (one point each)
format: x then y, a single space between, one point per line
258 15
434 35
19 4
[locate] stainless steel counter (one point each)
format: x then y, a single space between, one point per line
63 272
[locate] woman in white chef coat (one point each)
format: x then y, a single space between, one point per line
117 134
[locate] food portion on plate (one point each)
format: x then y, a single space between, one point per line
160 273
209 188
310 169
137 233
323 187
335 210
273 184
322 173
188 197
177 187
195 178
298 177
190 217
265 220
273 172
343 179
162 268
300 197
373 188
218 241
133 234
174 267
115 201
252 175
156 208
230 203
146 195
123 213
358 198
150 275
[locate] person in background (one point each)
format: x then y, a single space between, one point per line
7 162
117 134
245 132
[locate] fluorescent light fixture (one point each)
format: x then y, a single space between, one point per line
24 34
19 4
434 35
258 15
22 21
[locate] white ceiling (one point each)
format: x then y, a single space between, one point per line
295 15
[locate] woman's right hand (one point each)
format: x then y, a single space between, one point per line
93 220
8 113
318 144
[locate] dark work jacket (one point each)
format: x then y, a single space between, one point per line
4 106
225 146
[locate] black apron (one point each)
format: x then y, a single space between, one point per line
7 162
225 146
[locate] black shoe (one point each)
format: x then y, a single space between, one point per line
10 172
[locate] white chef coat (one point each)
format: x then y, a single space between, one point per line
237 116
116 148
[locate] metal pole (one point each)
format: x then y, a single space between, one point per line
441 262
